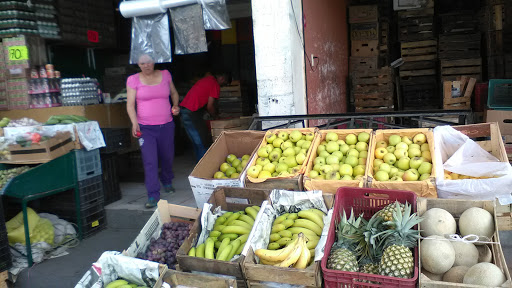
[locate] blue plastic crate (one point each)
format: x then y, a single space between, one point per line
88 163
500 94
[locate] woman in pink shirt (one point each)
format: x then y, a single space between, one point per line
152 123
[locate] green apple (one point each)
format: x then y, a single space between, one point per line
416 162
343 159
331 159
320 177
274 155
344 149
262 161
262 152
352 161
310 136
297 150
336 166
281 160
362 161
289 152
286 144
402 145
324 154
320 149
403 163
359 170
300 142
424 147
332 146
362 146
313 174
363 154
275 174
394 139
244 163
396 178
295 136
269 148
346 178
246 157
400 153
411 175
353 146
320 160
271 137
424 177
381 176
231 158
224 166
303 137
306 145
281 167
391 149
290 161
338 155
351 139
425 168
283 135
331 136
393 171
385 167
230 171
381 144
358 177
235 163
353 152
389 158
300 158
380 152
419 138
218 175
333 175
269 167
239 168
427 156
318 167
326 169
400 174
414 152
303 151
278 142
346 169
414 146
235 175
407 140
377 163
363 137
265 175
341 142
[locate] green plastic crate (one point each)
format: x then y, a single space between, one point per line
500 94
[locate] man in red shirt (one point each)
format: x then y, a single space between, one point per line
200 99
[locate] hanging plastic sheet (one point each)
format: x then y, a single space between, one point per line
215 15
151 36
188 28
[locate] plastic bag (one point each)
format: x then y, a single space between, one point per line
215 15
15 227
151 36
188 28
457 153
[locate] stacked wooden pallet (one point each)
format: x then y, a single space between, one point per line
373 90
498 26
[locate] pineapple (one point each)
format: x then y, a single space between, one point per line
397 259
370 268
368 247
387 212
341 257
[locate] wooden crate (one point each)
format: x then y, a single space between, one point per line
459 22
419 50
420 96
418 68
43 152
363 14
369 81
463 67
238 123
499 67
365 48
462 46
363 63
4 276
364 31
417 28
456 208
184 279
231 91
457 94
425 188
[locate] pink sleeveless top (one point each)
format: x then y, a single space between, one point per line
153 102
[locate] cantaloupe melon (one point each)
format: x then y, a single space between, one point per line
455 274
484 253
437 221
437 254
485 274
477 221
466 254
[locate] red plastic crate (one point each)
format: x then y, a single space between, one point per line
367 201
480 97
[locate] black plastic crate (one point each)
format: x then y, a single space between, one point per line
111 188
116 139
91 193
88 163
5 259
93 224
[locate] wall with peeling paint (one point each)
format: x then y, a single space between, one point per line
326 36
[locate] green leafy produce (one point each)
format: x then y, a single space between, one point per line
65 119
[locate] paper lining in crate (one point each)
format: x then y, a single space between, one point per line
224 199
456 208
331 186
423 188
282 201
229 142
291 182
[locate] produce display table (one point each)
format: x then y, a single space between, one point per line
47 179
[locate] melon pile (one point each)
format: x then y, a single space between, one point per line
457 261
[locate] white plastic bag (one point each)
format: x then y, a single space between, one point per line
457 153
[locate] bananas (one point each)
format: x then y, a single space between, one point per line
296 254
312 216
276 255
304 223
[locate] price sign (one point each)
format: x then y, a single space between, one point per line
93 36
17 53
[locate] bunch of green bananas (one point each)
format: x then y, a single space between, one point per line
65 119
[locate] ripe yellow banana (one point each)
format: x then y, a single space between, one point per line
312 242
275 237
304 258
317 212
294 255
251 212
281 218
288 222
285 233
236 230
200 251
275 255
304 223
263 261
246 219
293 216
297 230
241 223
278 228
310 215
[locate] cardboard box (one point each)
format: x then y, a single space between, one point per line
294 181
183 279
425 188
229 142
164 213
229 199
331 186
503 118
456 208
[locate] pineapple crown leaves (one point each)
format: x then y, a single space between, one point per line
368 247
346 227
401 232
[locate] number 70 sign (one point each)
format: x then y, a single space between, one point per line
18 53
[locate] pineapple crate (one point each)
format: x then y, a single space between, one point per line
488 136
367 202
365 48
259 275
230 200
293 182
331 186
363 63
425 188
363 14
457 94
364 31
451 69
419 50
456 208
459 22
416 28
462 46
